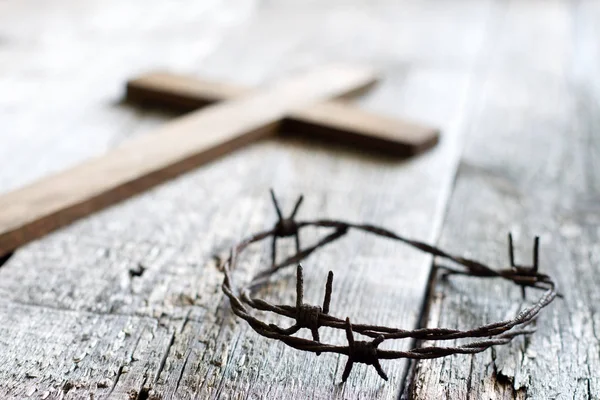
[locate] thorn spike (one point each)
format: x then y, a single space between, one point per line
316 338
274 251
299 287
349 334
536 248
347 370
511 251
276 204
297 206
315 334
328 290
379 370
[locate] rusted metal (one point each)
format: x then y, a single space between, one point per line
285 227
367 352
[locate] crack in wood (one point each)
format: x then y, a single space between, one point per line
163 360
180 377
186 320
67 386
507 384
470 377
144 392
408 377
119 373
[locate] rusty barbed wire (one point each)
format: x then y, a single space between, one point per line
313 317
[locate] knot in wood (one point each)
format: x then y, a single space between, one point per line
364 352
308 316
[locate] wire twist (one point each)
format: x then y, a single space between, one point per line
313 317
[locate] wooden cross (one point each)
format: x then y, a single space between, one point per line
332 120
200 136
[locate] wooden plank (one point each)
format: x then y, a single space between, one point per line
337 121
177 147
174 230
245 364
85 355
530 166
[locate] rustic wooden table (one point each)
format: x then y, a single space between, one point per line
127 303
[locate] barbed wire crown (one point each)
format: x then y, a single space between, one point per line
314 317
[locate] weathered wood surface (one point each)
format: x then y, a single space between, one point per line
126 303
175 148
85 270
531 165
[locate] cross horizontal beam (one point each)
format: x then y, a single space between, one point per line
331 120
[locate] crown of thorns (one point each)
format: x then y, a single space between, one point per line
313 317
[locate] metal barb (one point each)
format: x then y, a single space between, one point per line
328 290
297 206
536 248
362 352
273 251
306 315
299 287
523 275
511 250
276 204
285 227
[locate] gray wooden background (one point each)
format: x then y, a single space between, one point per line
514 86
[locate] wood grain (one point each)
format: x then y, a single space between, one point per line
148 261
179 91
173 232
177 147
530 166
335 121
43 344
